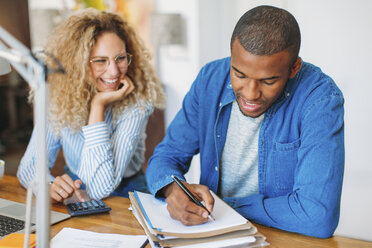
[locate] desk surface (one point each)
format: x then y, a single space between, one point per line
120 220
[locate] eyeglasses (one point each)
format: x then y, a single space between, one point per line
100 64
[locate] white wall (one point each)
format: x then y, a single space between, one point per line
51 4
178 64
336 36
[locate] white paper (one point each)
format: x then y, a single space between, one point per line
237 242
75 238
158 216
223 243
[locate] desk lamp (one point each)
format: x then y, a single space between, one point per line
4 67
34 71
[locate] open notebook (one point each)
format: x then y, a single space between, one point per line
17 211
164 231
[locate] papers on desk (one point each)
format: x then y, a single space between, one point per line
75 238
229 228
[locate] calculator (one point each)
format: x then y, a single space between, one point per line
88 207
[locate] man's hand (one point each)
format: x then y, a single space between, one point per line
64 187
180 206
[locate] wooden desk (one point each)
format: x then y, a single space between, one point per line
120 220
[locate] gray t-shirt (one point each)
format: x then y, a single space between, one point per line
239 160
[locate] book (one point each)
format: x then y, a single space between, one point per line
163 231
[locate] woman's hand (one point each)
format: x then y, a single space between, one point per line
64 187
108 97
103 99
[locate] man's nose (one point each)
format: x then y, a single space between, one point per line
252 90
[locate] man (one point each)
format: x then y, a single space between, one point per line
270 132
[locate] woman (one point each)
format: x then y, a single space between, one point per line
98 109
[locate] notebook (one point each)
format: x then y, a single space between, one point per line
18 211
163 231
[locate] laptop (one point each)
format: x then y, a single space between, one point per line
14 213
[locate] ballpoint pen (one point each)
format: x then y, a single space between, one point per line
145 243
191 196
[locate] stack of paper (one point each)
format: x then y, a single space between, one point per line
228 229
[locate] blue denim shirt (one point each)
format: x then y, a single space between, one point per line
300 155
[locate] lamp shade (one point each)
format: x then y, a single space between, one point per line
4 67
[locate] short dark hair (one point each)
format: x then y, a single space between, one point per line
265 30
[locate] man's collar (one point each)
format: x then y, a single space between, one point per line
228 95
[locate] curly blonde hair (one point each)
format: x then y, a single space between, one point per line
71 43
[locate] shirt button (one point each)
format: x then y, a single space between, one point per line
216 168
288 94
218 136
220 104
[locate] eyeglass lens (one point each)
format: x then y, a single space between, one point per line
101 63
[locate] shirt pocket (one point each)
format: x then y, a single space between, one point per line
285 162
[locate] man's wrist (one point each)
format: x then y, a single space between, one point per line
167 190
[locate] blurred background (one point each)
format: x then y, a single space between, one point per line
182 36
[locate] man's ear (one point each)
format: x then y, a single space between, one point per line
295 68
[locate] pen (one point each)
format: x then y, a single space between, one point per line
145 243
191 196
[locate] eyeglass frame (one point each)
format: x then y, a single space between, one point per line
128 57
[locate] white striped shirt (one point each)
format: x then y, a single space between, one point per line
100 154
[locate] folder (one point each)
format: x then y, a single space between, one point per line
163 231
15 240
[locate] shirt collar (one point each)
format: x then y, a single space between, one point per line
228 95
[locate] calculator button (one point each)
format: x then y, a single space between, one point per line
90 205
95 204
101 203
84 205
73 207
79 206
